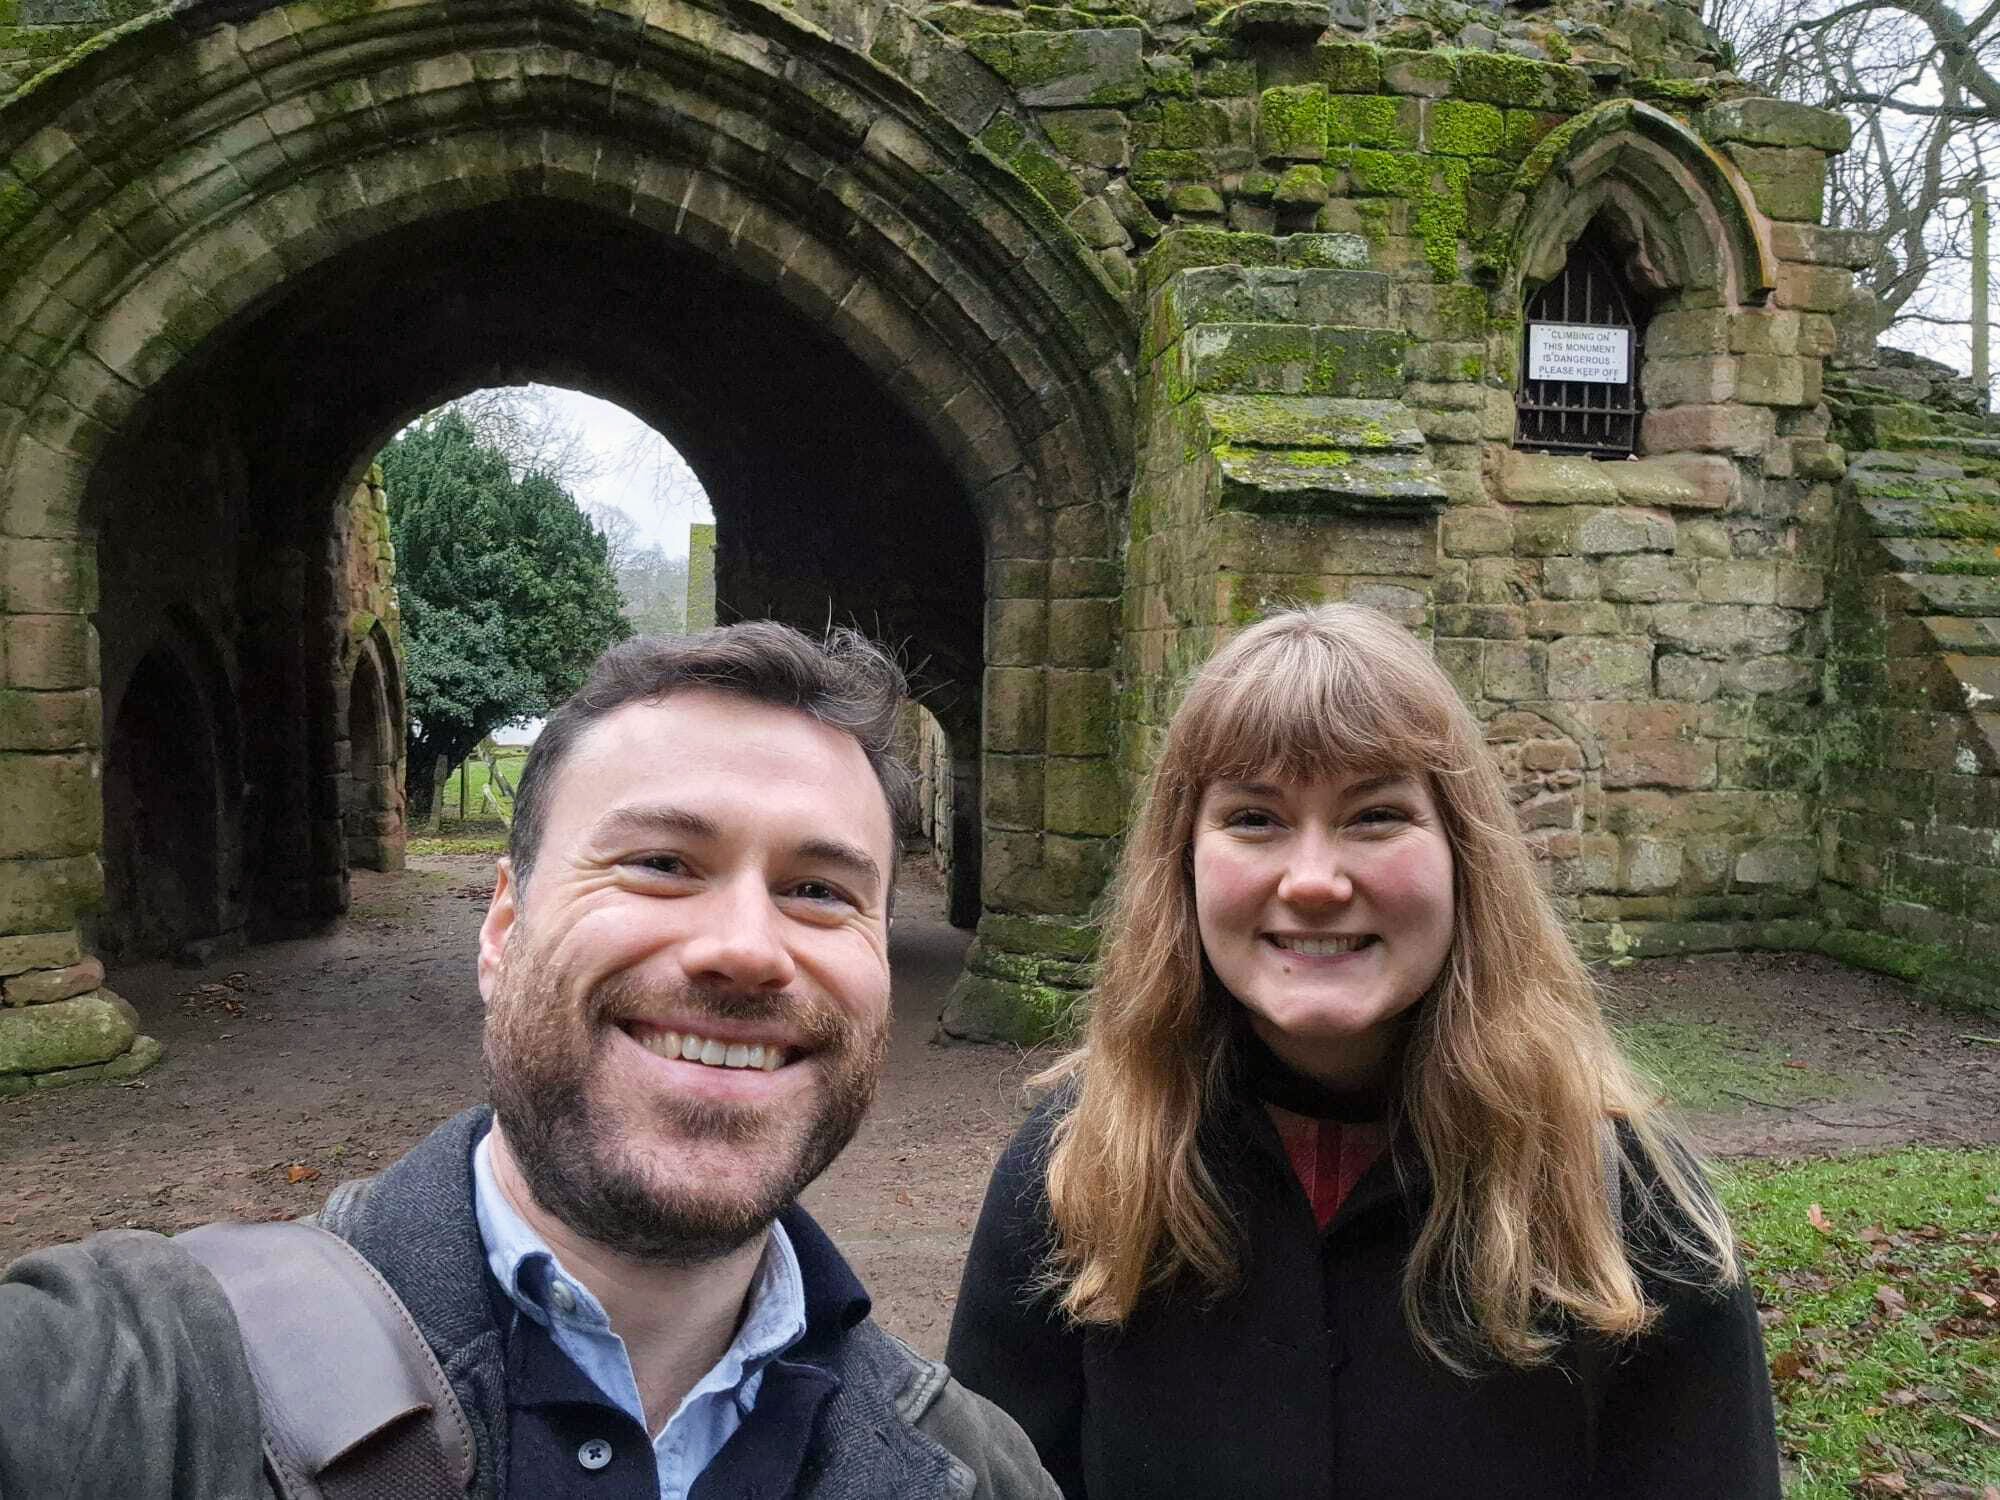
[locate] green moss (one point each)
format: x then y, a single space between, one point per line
1003 137
1048 177
1305 458
1400 173
1972 522
1688 93
972 20
1883 955
18 204
1030 59
1501 78
1226 78
1188 123
1292 121
1171 166
1458 128
1975 567
1372 120
1349 67
1525 131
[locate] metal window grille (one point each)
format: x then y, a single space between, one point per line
1578 416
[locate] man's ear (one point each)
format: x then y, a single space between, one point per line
498 926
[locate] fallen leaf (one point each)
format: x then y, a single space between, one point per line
297 1172
1787 1366
1902 1397
1891 1301
1884 1484
1793 1062
1978 1426
1816 1216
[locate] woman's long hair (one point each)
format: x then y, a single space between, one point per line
1509 1076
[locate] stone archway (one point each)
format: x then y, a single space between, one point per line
267 195
371 803
166 853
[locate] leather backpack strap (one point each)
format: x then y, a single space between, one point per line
1610 1167
354 1406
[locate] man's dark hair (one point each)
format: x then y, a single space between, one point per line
845 681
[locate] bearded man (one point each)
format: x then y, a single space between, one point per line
685 969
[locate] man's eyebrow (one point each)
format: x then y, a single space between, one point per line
650 820
858 862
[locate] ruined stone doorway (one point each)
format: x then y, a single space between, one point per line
161 865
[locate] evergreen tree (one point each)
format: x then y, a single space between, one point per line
506 588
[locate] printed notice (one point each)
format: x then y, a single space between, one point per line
1579 351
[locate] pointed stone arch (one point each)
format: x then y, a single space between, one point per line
1686 212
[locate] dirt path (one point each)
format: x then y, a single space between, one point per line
334 1054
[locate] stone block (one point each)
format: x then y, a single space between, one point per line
1075 871
49 721
38 950
1084 797
1789 182
1696 379
1291 122
1353 299
1723 630
1788 864
1689 331
45 986
1648 866
1820 246
1497 622
1680 764
41 576
1739 581
1011 791
1677 481
1374 120
1065 69
1015 711
141 1055
1515 671
1090 137
1553 479
1603 532
91 1028
1801 586
1572 578
1082 713
1775 122
1554 617
1427 74
1744 430
1082 578
1082 632
1589 668
1778 380
1649 578
48 653
1772 677
1476 531
49 805
1687 678
1823 289
1458 127
1017 632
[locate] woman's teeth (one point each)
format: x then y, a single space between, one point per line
1322 947
691 1048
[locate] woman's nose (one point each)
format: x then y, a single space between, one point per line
1315 874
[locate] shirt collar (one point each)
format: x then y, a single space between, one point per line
776 1313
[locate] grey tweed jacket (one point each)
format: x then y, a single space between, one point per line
122 1374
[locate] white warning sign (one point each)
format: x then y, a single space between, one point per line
1579 351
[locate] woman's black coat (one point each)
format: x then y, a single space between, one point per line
1305 1381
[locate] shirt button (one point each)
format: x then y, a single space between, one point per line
563 1298
594 1454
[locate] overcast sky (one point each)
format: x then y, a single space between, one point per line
644 476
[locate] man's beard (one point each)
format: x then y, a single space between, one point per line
590 1164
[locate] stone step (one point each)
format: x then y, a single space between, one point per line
1293 359
1949 555
1964 519
1958 637
1317 481
1943 594
1978 679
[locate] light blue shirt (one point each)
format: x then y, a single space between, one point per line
774 1319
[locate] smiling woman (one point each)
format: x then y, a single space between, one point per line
1349 1189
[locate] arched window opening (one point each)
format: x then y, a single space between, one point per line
1582 344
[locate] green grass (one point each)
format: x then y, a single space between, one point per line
473 836
511 759
1718 1068
1862 1388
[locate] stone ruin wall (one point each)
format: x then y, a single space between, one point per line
371 756
1323 221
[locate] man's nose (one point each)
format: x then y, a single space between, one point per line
739 941
1315 874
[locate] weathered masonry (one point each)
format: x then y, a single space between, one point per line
1047 342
